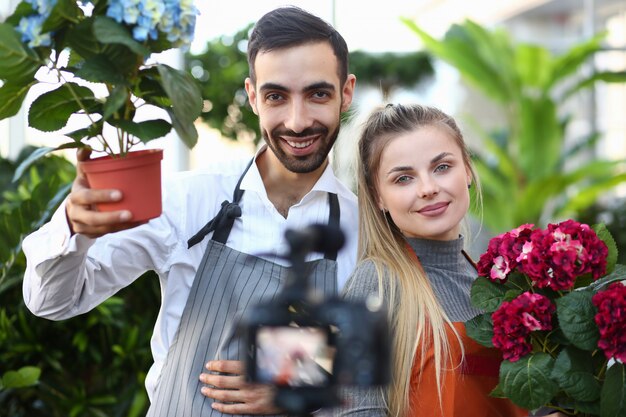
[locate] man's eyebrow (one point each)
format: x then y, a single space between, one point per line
273 86
322 85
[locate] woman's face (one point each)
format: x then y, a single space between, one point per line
423 183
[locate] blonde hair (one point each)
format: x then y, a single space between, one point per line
418 321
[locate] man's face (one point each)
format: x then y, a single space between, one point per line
298 98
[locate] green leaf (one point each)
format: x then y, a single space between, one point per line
480 328
618 274
607 77
604 235
17 61
573 370
461 47
115 101
38 154
62 12
51 111
613 397
569 62
184 94
487 295
527 381
24 377
99 69
12 96
540 138
575 312
187 132
146 130
108 30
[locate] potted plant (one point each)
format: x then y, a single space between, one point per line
98 53
554 303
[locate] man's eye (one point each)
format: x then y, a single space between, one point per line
273 97
320 94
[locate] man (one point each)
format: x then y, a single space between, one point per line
211 272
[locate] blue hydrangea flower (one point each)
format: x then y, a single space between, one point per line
42 7
174 18
30 26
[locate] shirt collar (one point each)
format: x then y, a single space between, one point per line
327 183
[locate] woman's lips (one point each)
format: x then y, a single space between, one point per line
433 209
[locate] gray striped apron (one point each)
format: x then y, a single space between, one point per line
227 283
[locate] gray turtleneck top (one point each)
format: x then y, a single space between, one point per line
451 274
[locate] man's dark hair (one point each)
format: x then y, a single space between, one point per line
291 26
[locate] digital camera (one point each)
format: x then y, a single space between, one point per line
308 347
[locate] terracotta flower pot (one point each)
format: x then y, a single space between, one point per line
137 176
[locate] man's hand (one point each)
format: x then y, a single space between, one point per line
81 212
232 388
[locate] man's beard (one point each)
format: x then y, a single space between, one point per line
304 164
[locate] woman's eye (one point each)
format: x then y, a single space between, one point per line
402 179
442 167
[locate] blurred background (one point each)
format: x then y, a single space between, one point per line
537 86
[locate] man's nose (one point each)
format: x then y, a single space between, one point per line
299 117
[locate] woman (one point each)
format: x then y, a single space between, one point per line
415 176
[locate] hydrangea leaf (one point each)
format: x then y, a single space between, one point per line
109 31
51 111
99 69
17 62
527 381
618 274
487 295
183 91
186 100
613 396
480 328
604 235
575 312
573 370
11 98
186 131
115 101
146 130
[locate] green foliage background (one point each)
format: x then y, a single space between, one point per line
524 164
91 365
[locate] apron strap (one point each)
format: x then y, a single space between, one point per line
333 222
223 221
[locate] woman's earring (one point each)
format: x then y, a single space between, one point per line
469 185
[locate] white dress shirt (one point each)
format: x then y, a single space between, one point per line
70 275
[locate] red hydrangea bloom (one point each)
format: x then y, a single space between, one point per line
561 253
515 319
611 321
503 252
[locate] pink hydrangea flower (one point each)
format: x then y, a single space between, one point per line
516 319
611 321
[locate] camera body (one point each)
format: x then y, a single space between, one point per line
307 346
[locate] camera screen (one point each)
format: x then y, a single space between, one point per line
293 356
